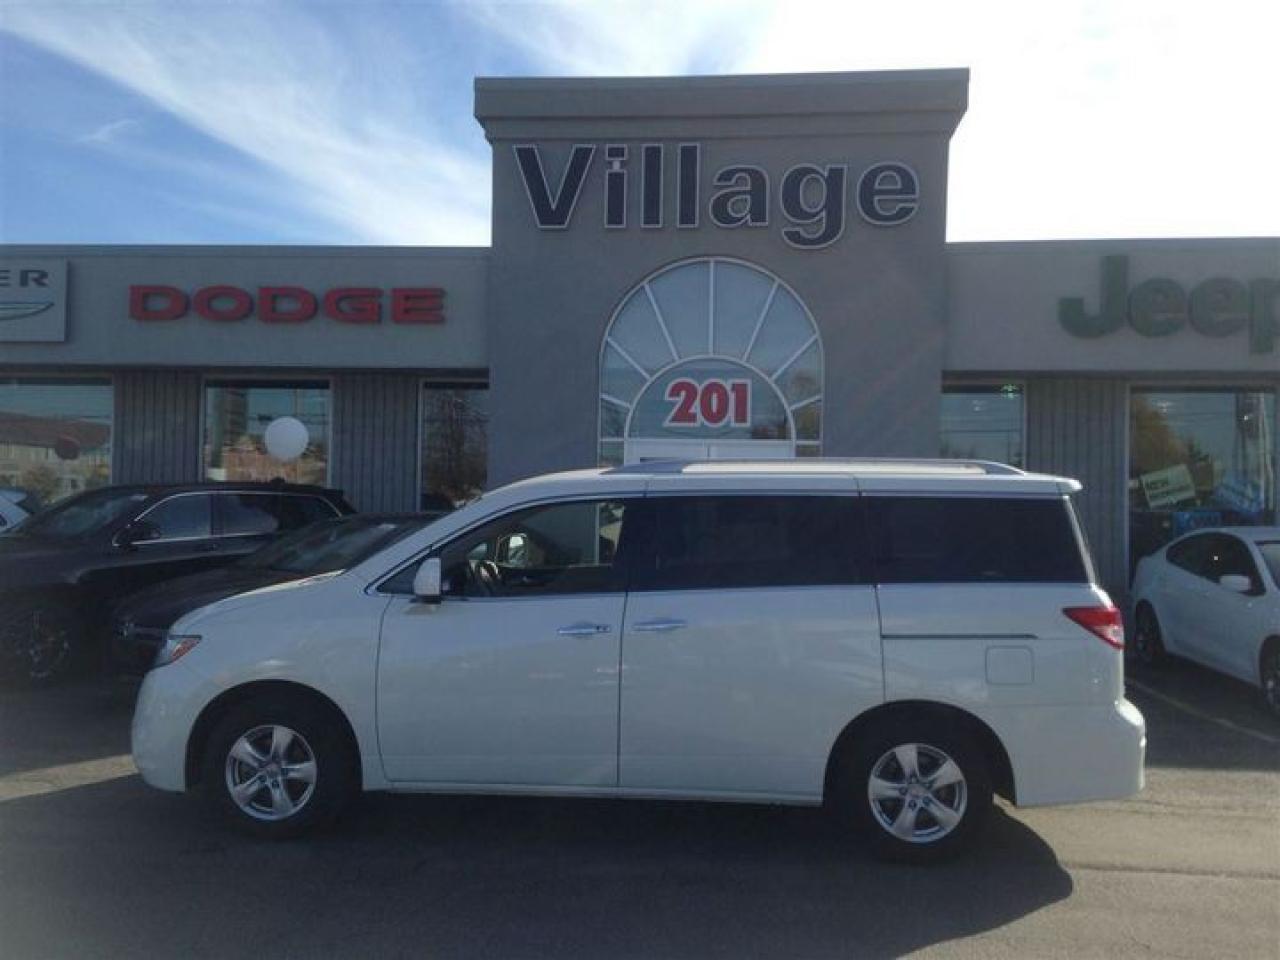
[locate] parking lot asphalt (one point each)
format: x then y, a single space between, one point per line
95 864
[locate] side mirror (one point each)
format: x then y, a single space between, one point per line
1236 581
426 582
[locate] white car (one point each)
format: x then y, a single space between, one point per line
1213 596
898 640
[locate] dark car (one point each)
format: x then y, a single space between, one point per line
328 546
63 568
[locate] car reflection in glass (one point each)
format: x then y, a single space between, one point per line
141 620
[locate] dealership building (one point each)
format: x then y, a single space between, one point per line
685 267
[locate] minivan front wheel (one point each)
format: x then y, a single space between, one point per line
278 768
917 792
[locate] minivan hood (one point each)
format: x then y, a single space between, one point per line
241 602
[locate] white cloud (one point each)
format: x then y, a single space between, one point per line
1087 118
611 39
109 132
282 87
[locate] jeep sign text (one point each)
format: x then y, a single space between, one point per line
1215 307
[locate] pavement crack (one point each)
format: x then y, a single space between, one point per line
1173 871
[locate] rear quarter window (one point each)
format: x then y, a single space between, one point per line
974 540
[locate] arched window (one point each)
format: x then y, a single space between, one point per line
710 358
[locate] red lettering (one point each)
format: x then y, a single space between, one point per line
741 390
354 304
286 304
417 305
685 394
206 303
714 403
142 303
273 306
711 403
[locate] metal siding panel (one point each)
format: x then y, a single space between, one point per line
1076 428
375 430
154 424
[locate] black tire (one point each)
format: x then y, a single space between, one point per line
316 736
1269 676
1148 642
43 642
934 838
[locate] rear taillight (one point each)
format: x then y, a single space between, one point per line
1105 623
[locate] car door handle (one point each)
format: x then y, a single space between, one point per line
208 547
662 625
583 629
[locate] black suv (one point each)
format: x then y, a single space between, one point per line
64 567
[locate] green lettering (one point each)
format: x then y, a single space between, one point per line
1157 308
1111 313
1219 307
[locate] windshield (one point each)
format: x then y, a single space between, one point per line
330 545
1270 551
80 516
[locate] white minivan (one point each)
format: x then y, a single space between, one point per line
896 639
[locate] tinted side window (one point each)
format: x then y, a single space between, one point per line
1229 556
974 540
180 517
702 542
1190 554
248 513
297 511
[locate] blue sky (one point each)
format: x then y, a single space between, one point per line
310 121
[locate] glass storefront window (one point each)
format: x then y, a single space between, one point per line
55 436
1198 458
455 445
710 358
237 414
983 423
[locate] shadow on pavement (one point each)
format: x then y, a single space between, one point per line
117 869
1197 718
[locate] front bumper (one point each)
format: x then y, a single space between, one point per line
168 704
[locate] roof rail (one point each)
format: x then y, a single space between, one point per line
989 467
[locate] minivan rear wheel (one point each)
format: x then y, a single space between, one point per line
278 767
917 791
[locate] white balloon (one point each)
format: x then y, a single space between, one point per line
286 438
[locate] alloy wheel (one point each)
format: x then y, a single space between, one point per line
918 794
1271 683
48 646
1146 637
271 772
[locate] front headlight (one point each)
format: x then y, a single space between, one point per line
176 646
